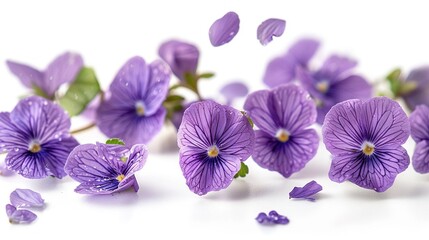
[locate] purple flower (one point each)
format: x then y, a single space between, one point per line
272 218
269 28
19 216
419 120
4 171
134 110
105 168
36 136
182 57
365 139
26 198
62 70
282 69
420 95
333 83
224 29
213 139
284 143
307 191
234 90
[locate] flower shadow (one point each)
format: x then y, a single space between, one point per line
238 190
124 198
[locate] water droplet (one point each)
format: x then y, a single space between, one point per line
45 103
126 84
51 78
16 149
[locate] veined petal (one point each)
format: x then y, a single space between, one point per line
259 106
62 70
54 154
233 90
28 76
421 157
280 70
351 87
303 50
307 191
27 164
182 57
157 87
269 28
420 95
224 29
101 186
136 159
419 120
26 198
19 216
10 137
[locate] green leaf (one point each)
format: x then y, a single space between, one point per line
248 118
84 88
39 92
115 141
206 75
175 86
395 81
174 98
244 170
407 87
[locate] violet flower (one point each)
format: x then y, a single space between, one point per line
224 29
419 120
420 94
62 69
105 168
213 139
233 90
19 216
182 57
269 28
307 191
365 139
134 111
282 69
272 218
284 143
26 198
36 136
333 83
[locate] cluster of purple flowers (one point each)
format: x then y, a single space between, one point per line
364 134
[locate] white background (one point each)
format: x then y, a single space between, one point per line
381 35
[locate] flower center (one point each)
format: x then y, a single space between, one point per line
368 148
282 135
213 151
34 147
120 177
140 108
322 86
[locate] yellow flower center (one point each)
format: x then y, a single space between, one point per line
120 177
140 108
368 148
34 147
213 151
282 135
322 86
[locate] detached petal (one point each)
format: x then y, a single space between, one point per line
62 70
28 76
307 191
19 216
269 28
26 198
224 29
234 90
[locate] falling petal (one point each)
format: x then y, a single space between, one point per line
307 191
269 28
19 216
234 90
272 218
26 198
224 29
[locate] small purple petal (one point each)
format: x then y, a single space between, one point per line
28 76
26 198
421 94
234 90
269 28
19 216
307 191
182 57
272 218
224 29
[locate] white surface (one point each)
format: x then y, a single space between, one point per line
381 35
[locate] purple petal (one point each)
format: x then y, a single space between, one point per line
269 28
303 50
421 94
224 29
334 67
206 124
421 157
285 158
28 76
351 87
234 90
26 198
19 216
272 218
10 138
182 57
307 191
62 70
419 120
4 171
279 71
157 87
